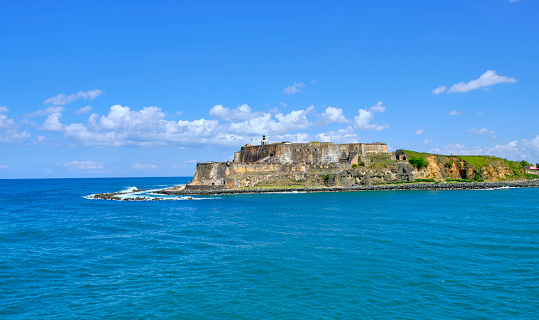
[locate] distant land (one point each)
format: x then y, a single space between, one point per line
325 166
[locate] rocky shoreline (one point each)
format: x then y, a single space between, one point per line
405 186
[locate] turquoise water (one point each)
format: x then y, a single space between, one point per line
363 255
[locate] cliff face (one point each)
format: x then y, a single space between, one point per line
353 167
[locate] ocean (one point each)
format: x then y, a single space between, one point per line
467 254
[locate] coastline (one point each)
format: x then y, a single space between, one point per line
388 187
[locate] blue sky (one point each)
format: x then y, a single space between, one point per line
140 88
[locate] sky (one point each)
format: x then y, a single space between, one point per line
150 88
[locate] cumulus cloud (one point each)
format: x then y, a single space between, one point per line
454 113
62 99
85 165
363 120
241 113
332 115
148 127
44 112
296 87
84 110
339 136
3 109
52 123
419 131
487 79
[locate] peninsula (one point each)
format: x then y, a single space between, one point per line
325 166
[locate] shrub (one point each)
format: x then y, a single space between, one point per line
419 162
424 180
315 141
524 163
354 165
361 164
448 164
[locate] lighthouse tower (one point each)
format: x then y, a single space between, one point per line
264 141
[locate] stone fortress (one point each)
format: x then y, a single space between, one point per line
320 165
284 162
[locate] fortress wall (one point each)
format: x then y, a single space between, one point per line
374 147
210 173
308 153
239 168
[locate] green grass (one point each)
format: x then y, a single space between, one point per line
476 161
459 180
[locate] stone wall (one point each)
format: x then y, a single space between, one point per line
307 153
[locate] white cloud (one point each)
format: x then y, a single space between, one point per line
362 121
283 104
148 127
439 90
52 123
9 130
454 113
84 110
487 79
314 81
62 99
44 112
241 113
332 115
427 141
294 138
144 165
340 136
482 131
86 165
523 149
514 0
419 131
293 88
4 166
3 109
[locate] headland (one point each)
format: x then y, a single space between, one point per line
328 167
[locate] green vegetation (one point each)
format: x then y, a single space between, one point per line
459 180
315 141
424 180
476 161
419 162
354 165
524 163
361 164
449 164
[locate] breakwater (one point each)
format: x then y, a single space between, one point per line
404 186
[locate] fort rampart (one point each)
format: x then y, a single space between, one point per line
278 161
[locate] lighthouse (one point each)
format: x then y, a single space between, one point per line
264 141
